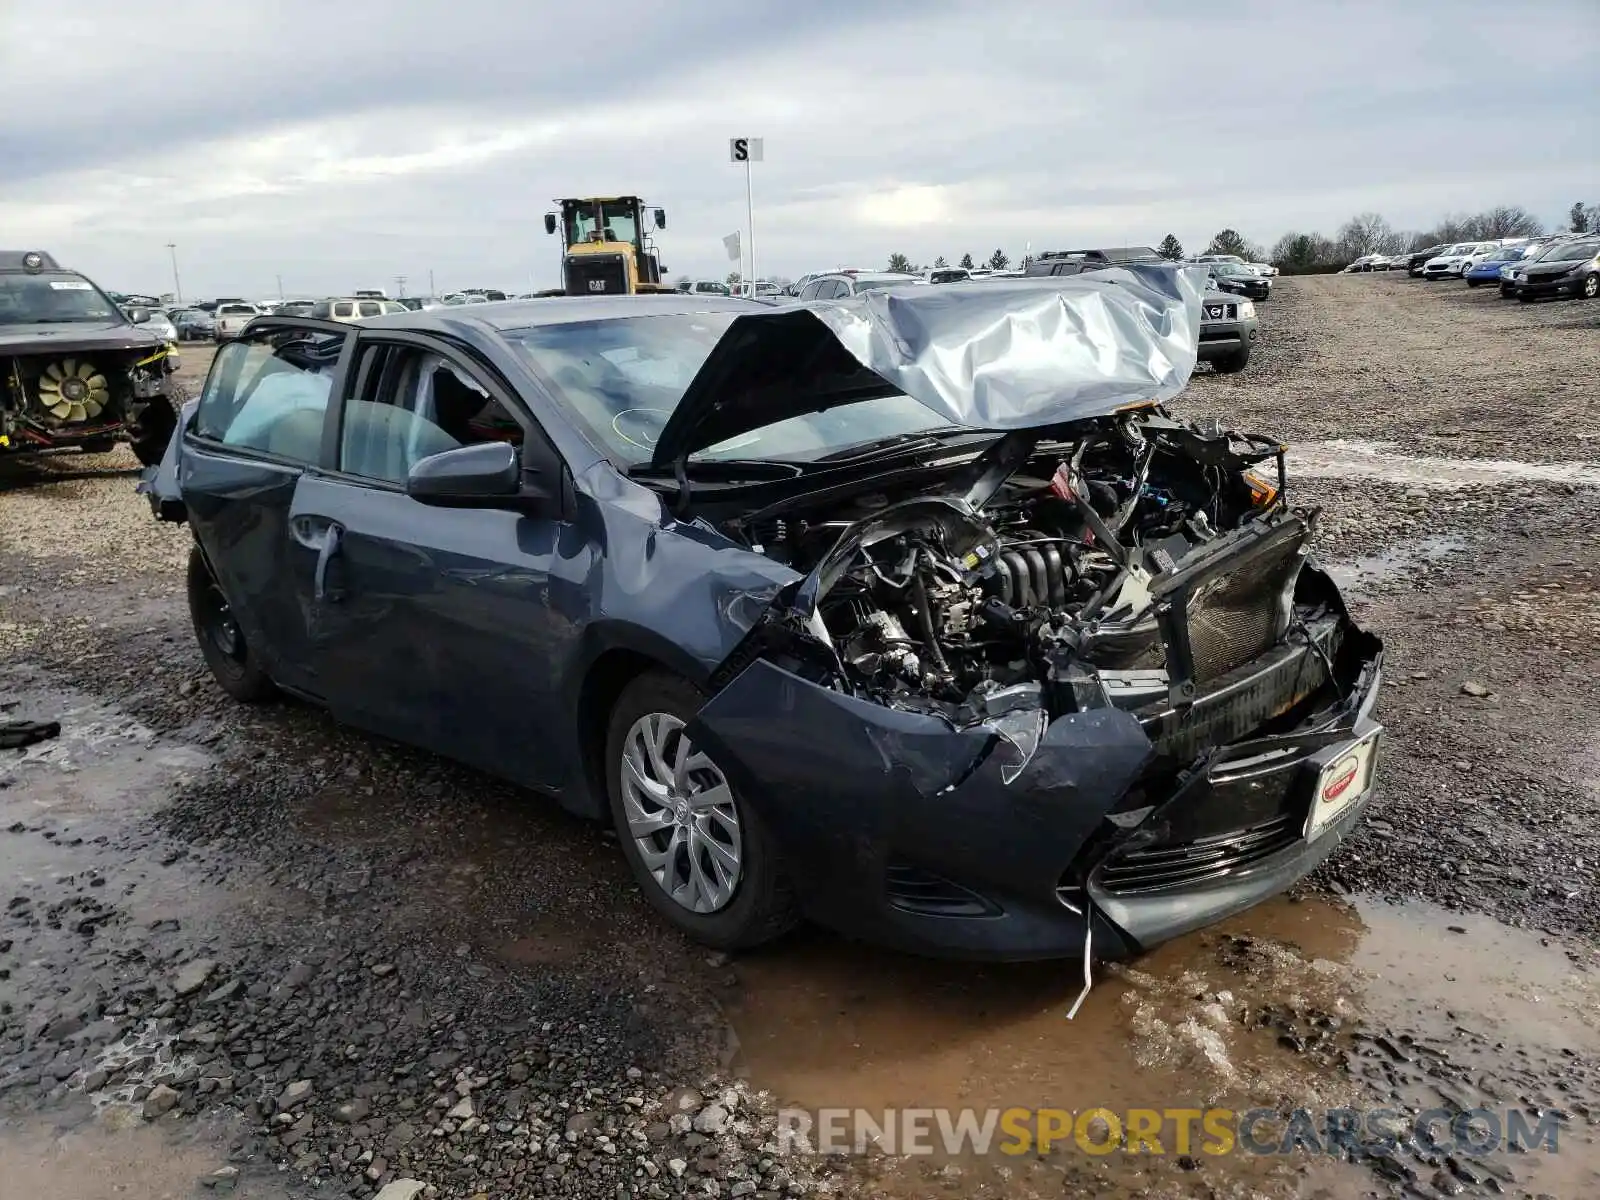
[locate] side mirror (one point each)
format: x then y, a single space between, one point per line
468 476
139 315
661 218
549 222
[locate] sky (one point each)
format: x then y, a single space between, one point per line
341 145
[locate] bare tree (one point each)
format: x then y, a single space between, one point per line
1508 220
1578 218
1363 233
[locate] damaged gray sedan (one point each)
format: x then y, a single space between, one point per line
915 614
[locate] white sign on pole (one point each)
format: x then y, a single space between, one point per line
748 150
731 245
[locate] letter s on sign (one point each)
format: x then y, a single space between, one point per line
739 149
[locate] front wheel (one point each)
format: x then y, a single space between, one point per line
1229 363
700 853
1591 287
1474 282
152 429
231 662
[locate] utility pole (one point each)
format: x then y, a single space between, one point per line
177 284
280 289
400 285
431 289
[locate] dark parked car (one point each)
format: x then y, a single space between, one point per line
1413 261
1563 269
77 372
194 325
1239 280
1007 665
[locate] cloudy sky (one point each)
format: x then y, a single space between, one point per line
339 145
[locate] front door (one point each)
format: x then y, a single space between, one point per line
258 429
431 625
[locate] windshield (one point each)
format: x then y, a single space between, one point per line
623 379
950 276
1570 252
236 310
1509 254
1461 248
52 297
614 219
879 285
1230 268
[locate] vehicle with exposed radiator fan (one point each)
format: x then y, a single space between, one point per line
76 371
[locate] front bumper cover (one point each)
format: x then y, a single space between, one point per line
931 839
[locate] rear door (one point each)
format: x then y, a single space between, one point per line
434 625
259 427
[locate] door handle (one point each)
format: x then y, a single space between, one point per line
332 538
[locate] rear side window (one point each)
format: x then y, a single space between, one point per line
371 308
269 394
344 310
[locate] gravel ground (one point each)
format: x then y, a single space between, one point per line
316 963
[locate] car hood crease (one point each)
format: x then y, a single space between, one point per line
1017 355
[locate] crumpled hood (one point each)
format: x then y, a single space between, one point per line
1003 356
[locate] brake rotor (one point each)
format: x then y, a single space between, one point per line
73 392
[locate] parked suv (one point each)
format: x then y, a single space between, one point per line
75 370
844 284
352 308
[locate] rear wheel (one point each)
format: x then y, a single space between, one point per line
701 854
222 643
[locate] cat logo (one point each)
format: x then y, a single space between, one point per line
597 285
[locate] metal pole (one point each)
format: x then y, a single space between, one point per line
431 292
750 216
177 284
280 289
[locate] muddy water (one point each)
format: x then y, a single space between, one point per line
1377 460
1359 577
831 1025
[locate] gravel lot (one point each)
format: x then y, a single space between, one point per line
243 950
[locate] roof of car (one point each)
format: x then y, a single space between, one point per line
502 315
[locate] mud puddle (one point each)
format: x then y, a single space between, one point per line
1378 460
1310 1004
100 1160
1361 577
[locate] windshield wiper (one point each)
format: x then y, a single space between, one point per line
922 439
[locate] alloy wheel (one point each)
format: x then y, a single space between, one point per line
681 814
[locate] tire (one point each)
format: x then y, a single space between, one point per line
149 433
1506 293
98 445
1591 287
1229 363
231 662
760 905
1474 282
1524 298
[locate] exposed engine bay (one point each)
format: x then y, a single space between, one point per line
1122 560
58 398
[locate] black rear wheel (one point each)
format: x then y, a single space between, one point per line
221 640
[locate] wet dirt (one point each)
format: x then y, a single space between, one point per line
92 1159
1417 1003
1359 577
1381 461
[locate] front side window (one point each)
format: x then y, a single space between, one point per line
413 404
270 393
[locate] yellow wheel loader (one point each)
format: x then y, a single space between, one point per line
605 250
